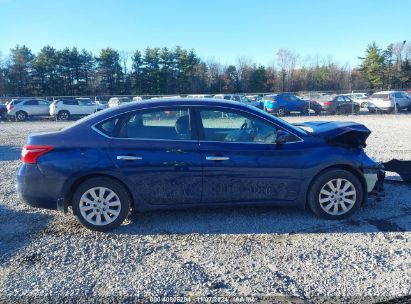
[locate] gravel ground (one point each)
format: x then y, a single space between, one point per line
268 253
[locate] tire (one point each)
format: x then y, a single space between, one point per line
364 104
281 111
320 188
63 115
21 116
111 216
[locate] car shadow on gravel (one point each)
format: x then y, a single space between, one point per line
373 217
9 153
17 230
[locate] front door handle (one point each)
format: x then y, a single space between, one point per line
217 158
129 157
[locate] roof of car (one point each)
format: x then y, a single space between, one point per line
152 103
182 101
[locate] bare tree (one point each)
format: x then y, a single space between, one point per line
287 61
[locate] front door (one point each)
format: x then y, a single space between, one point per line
241 161
155 150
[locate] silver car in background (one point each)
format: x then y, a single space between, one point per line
116 101
22 109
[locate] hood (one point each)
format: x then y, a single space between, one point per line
345 133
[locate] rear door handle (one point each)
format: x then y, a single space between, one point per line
217 158
129 157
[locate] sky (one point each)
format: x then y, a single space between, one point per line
223 30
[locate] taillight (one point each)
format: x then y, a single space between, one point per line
328 103
9 107
387 98
30 153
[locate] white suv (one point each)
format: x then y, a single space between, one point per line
65 108
388 101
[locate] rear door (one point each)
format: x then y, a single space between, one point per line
401 99
44 107
242 163
32 108
157 152
86 107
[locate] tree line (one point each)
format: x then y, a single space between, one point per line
165 71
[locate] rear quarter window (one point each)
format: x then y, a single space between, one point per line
109 126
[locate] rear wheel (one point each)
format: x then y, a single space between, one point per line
21 116
335 194
63 115
101 203
281 111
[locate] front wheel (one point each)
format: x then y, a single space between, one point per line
63 115
281 111
335 194
101 203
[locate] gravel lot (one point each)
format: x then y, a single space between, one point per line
275 252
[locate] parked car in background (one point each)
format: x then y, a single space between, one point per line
116 101
234 97
240 98
137 98
200 96
284 103
64 109
388 101
313 105
156 161
360 98
22 109
103 104
339 104
313 95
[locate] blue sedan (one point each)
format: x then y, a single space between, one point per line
182 153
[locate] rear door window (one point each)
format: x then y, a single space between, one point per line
43 102
166 124
31 102
70 102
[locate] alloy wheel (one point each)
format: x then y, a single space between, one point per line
21 116
63 116
337 196
100 206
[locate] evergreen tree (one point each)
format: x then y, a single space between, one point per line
373 67
109 71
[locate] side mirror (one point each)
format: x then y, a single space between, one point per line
281 137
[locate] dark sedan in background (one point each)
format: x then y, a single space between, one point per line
184 153
339 104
